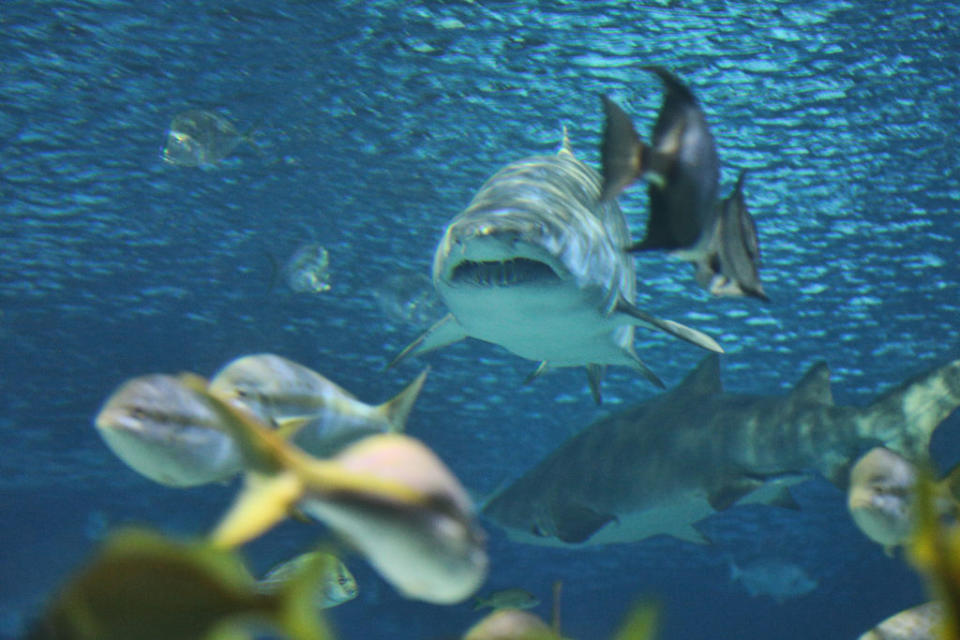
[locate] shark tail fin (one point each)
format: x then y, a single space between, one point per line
905 417
397 410
297 614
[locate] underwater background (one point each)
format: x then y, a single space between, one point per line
371 124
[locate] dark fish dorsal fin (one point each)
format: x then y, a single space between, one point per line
728 493
704 380
814 386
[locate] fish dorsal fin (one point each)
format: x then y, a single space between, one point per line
814 386
565 147
704 380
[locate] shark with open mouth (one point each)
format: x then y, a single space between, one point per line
536 264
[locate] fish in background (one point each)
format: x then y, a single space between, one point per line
396 502
773 577
535 264
881 494
167 432
142 585
308 269
199 138
682 169
513 598
917 623
324 416
663 465
336 585
408 298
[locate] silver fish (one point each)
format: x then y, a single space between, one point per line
198 138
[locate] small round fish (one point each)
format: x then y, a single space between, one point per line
513 598
880 497
336 586
200 138
167 432
325 416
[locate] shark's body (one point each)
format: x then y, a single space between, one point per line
665 464
536 264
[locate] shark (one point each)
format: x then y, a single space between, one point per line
665 464
536 264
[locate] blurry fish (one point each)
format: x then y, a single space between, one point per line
282 392
408 298
337 584
535 264
308 269
200 138
141 586
881 495
918 623
626 477
167 432
510 624
508 599
683 172
388 494
683 158
773 577
730 268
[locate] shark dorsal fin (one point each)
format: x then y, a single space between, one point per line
814 386
704 380
565 147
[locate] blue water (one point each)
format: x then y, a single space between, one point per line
374 123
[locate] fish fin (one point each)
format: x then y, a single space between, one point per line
704 380
784 499
263 503
731 491
622 152
565 146
397 410
688 533
644 370
297 610
641 623
675 329
290 426
595 379
814 386
536 373
445 331
577 523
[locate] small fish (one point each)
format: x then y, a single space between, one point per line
508 599
773 577
918 623
880 497
167 432
308 269
336 586
730 267
199 138
144 586
284 393
388 494
510 624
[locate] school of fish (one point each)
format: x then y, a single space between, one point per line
541 264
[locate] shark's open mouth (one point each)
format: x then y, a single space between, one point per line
494 273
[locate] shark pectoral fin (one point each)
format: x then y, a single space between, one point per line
264 502
536 373
733 490
576 523
397 410
644 370
595 379
445 331
675 329
688 533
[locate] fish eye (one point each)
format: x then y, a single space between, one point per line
138 413
243 393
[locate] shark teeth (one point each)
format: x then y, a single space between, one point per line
502 273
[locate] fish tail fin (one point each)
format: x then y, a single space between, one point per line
624 156
905 417
397 410
297 610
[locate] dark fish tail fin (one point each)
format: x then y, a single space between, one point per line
905 418
624 156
